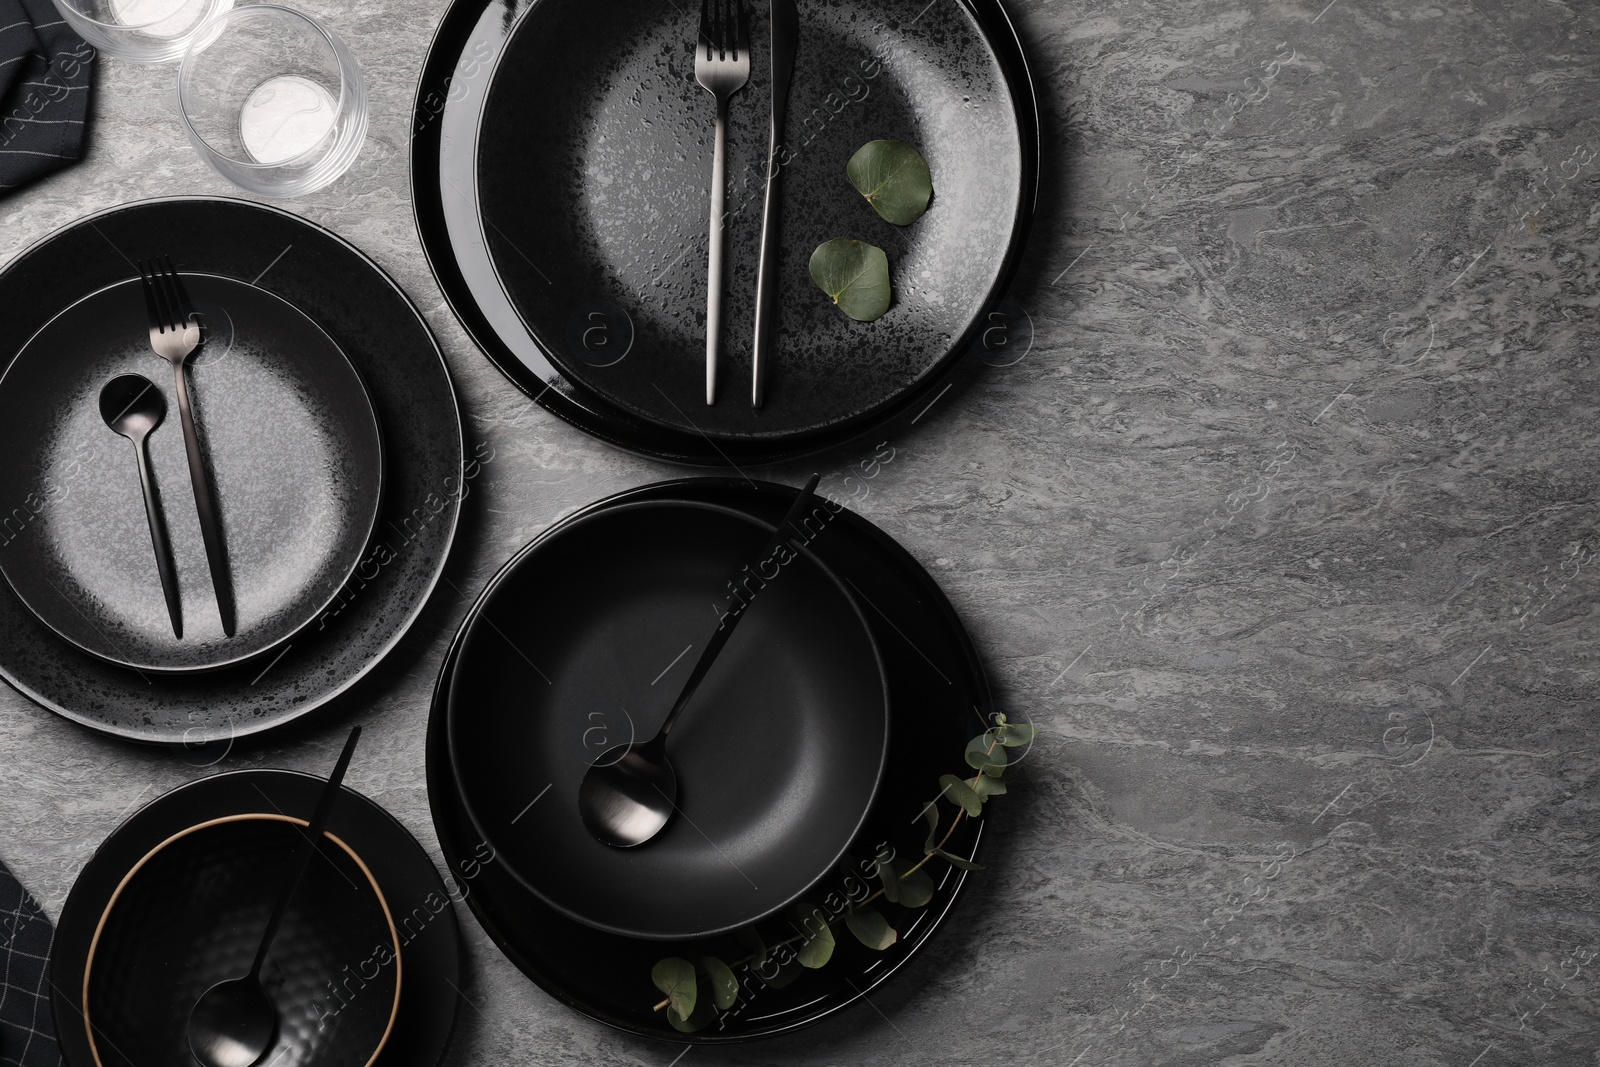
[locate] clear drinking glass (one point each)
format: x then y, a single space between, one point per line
272 100
141 31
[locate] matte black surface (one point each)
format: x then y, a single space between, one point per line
938 692
192 916
296 461
612 298
585 639
420 901
389 345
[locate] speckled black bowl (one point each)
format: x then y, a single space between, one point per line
191 914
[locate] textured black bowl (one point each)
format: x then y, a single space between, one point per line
191 914
585 639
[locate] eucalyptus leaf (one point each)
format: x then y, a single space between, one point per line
891 882
1015 734
894 178
961 794
957 861
915 889
986 756
989 786
724 986
871 929
675 977
930 815
702 1016
817 948
751 940
855 275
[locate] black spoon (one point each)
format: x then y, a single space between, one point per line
133 407
625 799
233 1023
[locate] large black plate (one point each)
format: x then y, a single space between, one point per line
539 258
291 441
938 694
419 900
386 341
583 642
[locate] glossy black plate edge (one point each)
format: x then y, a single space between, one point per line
645 439
437 775
566 527
367 535
65 1000
333 695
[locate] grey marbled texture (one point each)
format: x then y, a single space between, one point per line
1284 530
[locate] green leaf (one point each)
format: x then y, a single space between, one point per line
817 948
855 275
750 939
1014 734
894 178
961 794
990 787
675 977
916 889
702 1016
980 756
724 986
957 861
891 882
871 929
930 815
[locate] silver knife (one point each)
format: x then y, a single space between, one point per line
785 43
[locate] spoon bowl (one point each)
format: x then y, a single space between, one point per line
132 406
232 1024
629 794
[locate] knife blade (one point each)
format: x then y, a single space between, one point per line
785 46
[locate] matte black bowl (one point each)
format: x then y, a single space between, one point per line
191 914
584 640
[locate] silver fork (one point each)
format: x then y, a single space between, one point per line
722 67
174 335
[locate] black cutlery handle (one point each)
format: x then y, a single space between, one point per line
725 631
158 539
766 276
205 505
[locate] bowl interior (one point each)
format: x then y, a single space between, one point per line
192 913
584 643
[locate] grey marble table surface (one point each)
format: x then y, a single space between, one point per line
1283 527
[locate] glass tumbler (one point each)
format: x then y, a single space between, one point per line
141 31
272 100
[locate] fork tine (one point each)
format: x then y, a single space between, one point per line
163 312
705 27
722 29
742 37
148 285
185 306
169 292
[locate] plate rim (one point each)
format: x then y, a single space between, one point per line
419 603
371 524
438 802
571 526
621 429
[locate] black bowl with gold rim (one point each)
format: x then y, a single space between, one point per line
191 913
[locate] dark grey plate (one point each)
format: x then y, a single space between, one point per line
295 456
600 205
386 341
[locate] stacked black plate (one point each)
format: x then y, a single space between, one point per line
596 954
560 168
334 442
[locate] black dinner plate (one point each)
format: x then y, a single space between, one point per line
574 237
582 643
292 445
384 338
420 901
938 694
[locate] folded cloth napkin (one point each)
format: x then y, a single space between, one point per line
27 1031
45 72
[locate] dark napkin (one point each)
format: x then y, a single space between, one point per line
27 1031
45 72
